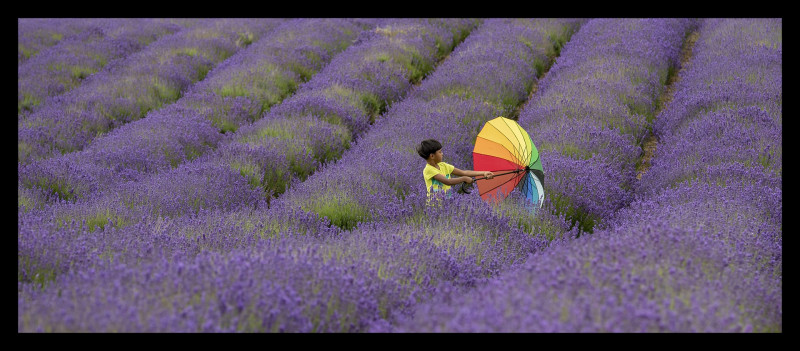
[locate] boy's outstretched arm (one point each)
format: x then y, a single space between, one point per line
468 173
453 181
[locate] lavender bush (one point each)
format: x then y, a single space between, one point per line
48 247
736 64
270 288
722 138
536 47
745 216
368 276
272 70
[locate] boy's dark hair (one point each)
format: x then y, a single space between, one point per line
428 147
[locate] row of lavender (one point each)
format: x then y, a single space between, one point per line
492 74
66 65
136 150
335 108
293 277
223 178
213 181
37 34
235 93
627 51
368 191
593 111
719 163
700 248
135 85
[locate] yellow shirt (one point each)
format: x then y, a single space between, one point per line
429 172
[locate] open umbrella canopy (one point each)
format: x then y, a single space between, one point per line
505 149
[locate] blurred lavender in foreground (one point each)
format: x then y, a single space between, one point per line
652 277
336 281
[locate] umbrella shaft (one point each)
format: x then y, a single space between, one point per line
499 174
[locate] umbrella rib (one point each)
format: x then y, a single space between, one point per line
515 154
525 147
533 146
522 148
525 187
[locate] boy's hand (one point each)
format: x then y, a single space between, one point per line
468 180
488 175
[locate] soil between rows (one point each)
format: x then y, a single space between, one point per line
651 142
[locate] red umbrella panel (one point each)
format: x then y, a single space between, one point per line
508 176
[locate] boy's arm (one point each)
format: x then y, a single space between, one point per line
452 181
468 173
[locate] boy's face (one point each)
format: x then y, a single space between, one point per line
437 157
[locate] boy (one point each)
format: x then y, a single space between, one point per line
437 173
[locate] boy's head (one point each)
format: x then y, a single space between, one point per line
428 147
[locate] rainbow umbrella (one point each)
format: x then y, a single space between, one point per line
505 149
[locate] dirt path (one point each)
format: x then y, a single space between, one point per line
651 142
515 114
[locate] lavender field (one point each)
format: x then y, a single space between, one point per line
260 175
